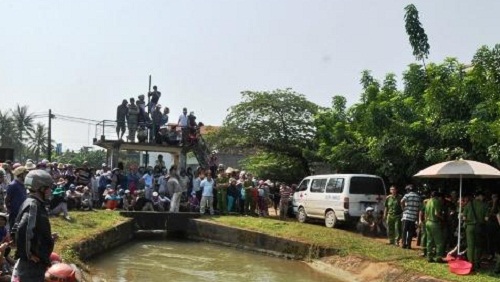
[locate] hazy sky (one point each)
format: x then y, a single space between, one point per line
81 58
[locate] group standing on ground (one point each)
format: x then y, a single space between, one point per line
238 192
433 220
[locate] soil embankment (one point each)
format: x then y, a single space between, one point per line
340 253
323 259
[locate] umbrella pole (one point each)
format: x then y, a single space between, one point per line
459 215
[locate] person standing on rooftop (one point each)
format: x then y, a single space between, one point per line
155 97
121 115
183 123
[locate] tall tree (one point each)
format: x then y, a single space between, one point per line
268 165
37 145
418 38
451 112
278 122
7 130
94 157
23 121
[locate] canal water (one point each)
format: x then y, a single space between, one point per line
196 261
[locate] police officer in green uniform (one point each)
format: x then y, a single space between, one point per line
433 228
497 251
222 184
475 215
421 226
249 208
392 215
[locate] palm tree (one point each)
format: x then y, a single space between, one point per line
38 142
7 132
24 124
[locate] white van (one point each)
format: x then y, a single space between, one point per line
338 197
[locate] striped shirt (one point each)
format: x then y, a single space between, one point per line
412 206
285 194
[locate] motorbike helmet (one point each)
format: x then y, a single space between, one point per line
37 180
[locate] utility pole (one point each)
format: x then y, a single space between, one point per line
49 147
149 94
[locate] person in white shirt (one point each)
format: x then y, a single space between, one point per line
207 196
175 189
148 181
183 118
196 185
183 124
162 181
184 180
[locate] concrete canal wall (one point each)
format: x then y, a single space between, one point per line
208 231
105 241
329 261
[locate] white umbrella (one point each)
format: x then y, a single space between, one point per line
459 169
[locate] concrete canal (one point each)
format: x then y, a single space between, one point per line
196 261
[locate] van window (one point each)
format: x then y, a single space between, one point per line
318 185
367 186
303 185
335 185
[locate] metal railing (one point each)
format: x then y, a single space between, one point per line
105 130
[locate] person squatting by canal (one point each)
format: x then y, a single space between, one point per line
368 224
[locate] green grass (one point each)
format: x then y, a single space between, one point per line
83 225
349 243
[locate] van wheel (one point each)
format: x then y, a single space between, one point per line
330 219
301 215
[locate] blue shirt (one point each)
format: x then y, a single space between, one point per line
207 187
196 184
148 179
17 194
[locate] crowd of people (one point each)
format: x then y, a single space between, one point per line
24 222
33 192
152 188
432 219
232 191
148 122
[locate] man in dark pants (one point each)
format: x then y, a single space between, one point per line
155 97
392 215
497 253
411 204
34 239
433 229
16 194
121 115
475 215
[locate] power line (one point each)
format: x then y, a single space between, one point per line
76 118
40 116
73 120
